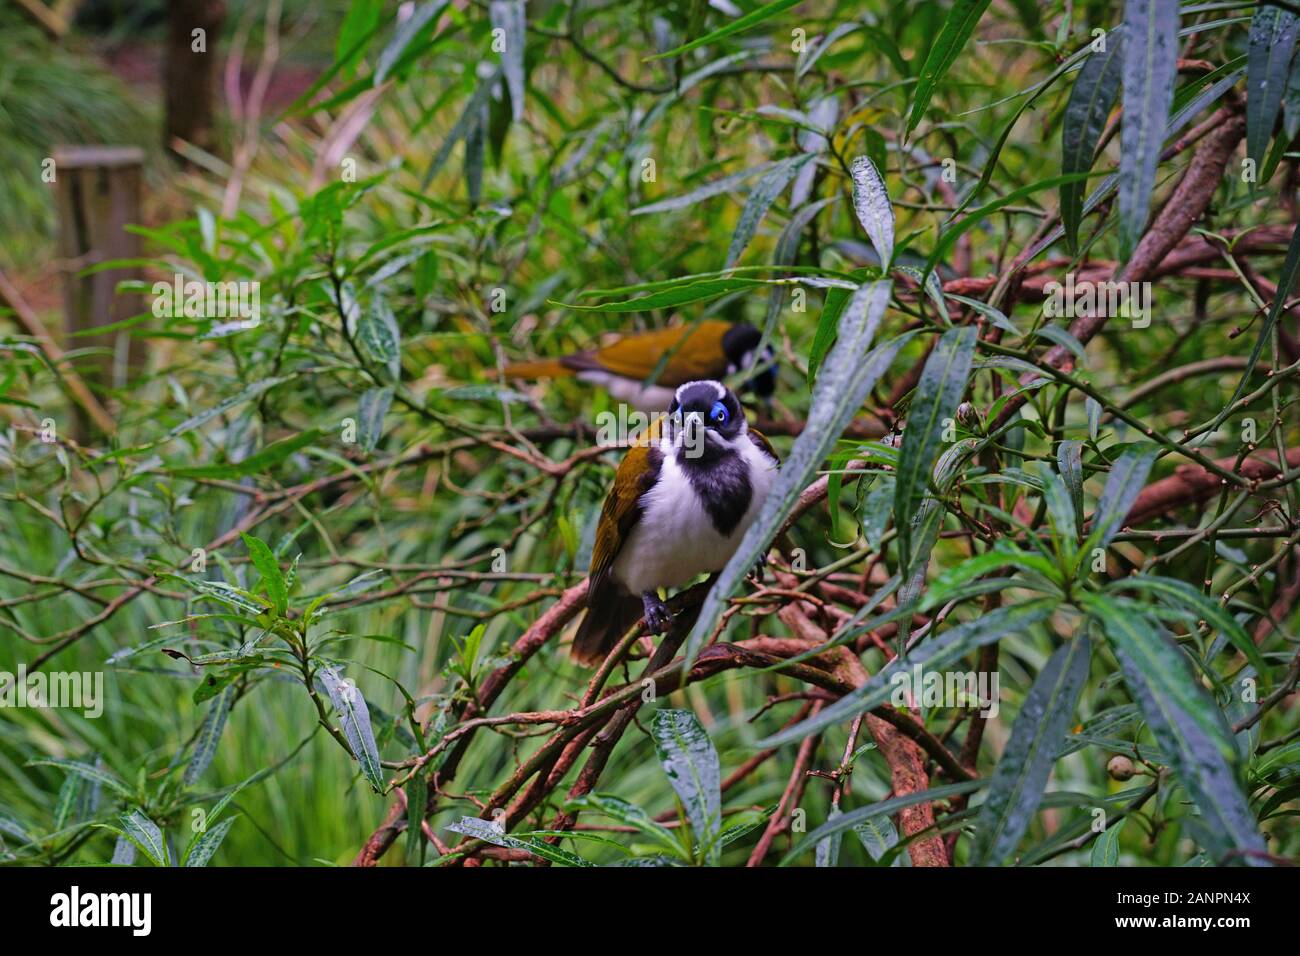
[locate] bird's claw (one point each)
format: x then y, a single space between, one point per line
657 616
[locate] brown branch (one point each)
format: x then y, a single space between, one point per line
1192 484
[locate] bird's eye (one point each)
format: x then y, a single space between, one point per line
719 413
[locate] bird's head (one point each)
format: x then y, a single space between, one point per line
705 419
740 344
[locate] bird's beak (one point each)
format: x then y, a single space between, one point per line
693 434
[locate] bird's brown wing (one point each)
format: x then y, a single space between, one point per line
696 354
621 511
610 611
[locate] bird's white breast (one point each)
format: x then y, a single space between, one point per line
675 538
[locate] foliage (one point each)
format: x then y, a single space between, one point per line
331 557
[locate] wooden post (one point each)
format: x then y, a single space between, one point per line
98 196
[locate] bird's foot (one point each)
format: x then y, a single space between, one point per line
657 616
759 568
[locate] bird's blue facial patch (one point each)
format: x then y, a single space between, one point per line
719 414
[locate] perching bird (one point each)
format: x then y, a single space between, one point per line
680 504
711 349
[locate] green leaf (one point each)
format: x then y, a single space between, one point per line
751 19
943 380
678 294
371 409
269 569
760 200
1058 335
876 510
957 29
358 27
872 206
627 814
509 17
1180 592
828 324
490 832
1272 42
254 464
223 593
1187 724
710 189
691 762
205 416
69 795
94 774
1060 511
204 844
1150 74
994 316
417 799
877 836
144 833
1124 483
843 383
1091 100
1069 462
407 30
380 337
205 744
935 653
354 720
827 853
1105 849
1291 102
1021 774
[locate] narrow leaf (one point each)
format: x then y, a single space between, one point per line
206 843
1272 42
1187 724
933 654
205 745
354 719
751 19
1124 483
943 380
1150 71
1091 100
407 30
874 211
145 834
269 569
508 16
691 762
843 383
957 29
760 200
1022 772
371 409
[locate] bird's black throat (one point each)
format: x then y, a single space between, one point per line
722 483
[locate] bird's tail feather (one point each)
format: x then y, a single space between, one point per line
542 368
610 613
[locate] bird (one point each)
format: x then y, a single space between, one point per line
707 350
682 499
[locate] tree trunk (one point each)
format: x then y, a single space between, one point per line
194 27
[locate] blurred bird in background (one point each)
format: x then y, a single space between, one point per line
708 350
